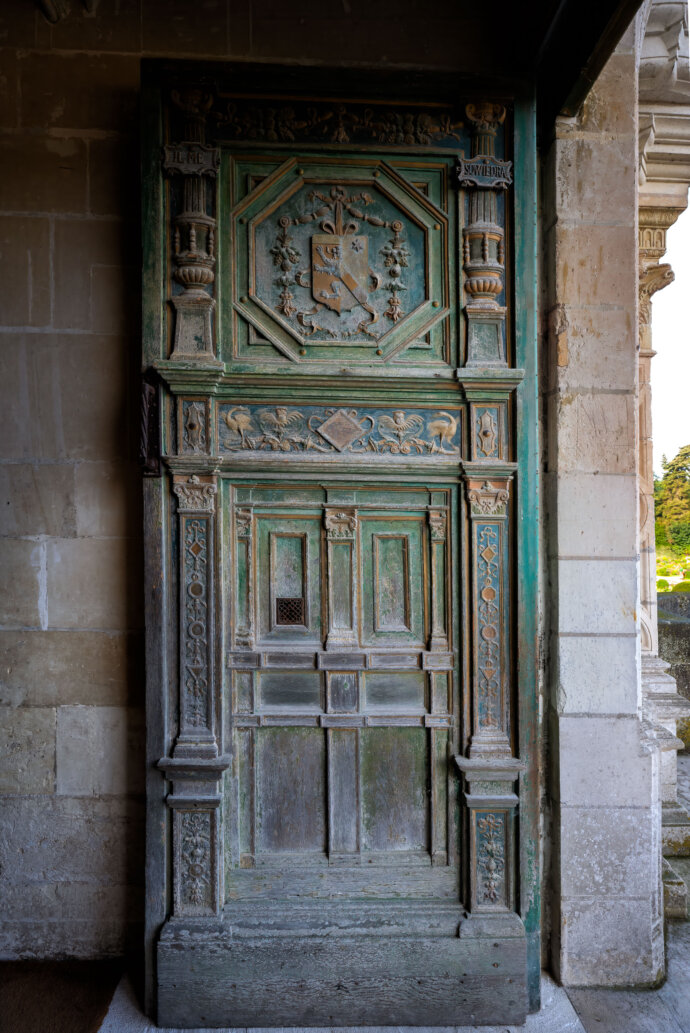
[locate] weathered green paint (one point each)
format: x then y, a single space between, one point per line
528 558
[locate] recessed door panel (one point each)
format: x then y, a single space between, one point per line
393 575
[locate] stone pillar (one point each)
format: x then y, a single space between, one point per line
662 706
607 907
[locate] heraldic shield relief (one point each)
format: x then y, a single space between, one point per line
339 256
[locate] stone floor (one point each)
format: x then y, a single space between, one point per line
666 1010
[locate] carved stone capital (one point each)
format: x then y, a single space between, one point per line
340 524
488 498
195 494
653 278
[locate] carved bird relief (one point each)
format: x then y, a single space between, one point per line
444 429
239 421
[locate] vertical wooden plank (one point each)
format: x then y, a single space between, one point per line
437 546
439 796
244 578
343 792
528 549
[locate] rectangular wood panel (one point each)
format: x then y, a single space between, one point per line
395 780
290 790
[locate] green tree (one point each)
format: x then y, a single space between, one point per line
672 493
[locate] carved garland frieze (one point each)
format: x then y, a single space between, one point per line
196 863
397 432
491 860
315 122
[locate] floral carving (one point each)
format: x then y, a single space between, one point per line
395 259
195 677
195 853
195 495
491 857
488 627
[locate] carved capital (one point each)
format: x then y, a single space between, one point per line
486 115
437 525
195 494
340 524
653 278
488 498
243 522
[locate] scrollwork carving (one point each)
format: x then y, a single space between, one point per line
340 524
195 495
488 498
196 887
491 860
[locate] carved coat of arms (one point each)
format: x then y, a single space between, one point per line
340 271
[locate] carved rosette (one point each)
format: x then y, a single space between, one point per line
193 227
483 176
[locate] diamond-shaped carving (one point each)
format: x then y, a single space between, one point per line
340 430
488 554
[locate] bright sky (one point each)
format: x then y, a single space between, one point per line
671 342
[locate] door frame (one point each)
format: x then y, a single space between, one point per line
160 573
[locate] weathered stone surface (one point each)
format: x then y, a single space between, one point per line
613 833
585 664
43 174
589 515
25 271
27 750
94 252
79 91
597 433
609 605
93 583
174 27
112 188
618 959
99 751
55 839
601 763
36 499
21 562
578 365
108 500
44 668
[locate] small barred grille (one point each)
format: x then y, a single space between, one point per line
290 611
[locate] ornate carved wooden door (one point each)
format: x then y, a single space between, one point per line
334 522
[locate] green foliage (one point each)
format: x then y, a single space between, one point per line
682 586
661 585
659 529
678 534
672 493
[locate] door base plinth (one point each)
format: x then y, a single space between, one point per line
212 979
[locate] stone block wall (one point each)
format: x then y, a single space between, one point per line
71 680
605 770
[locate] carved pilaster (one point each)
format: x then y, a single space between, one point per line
196 508
341 539
194 228
491 805
483 175
244 572
487 500
438 541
